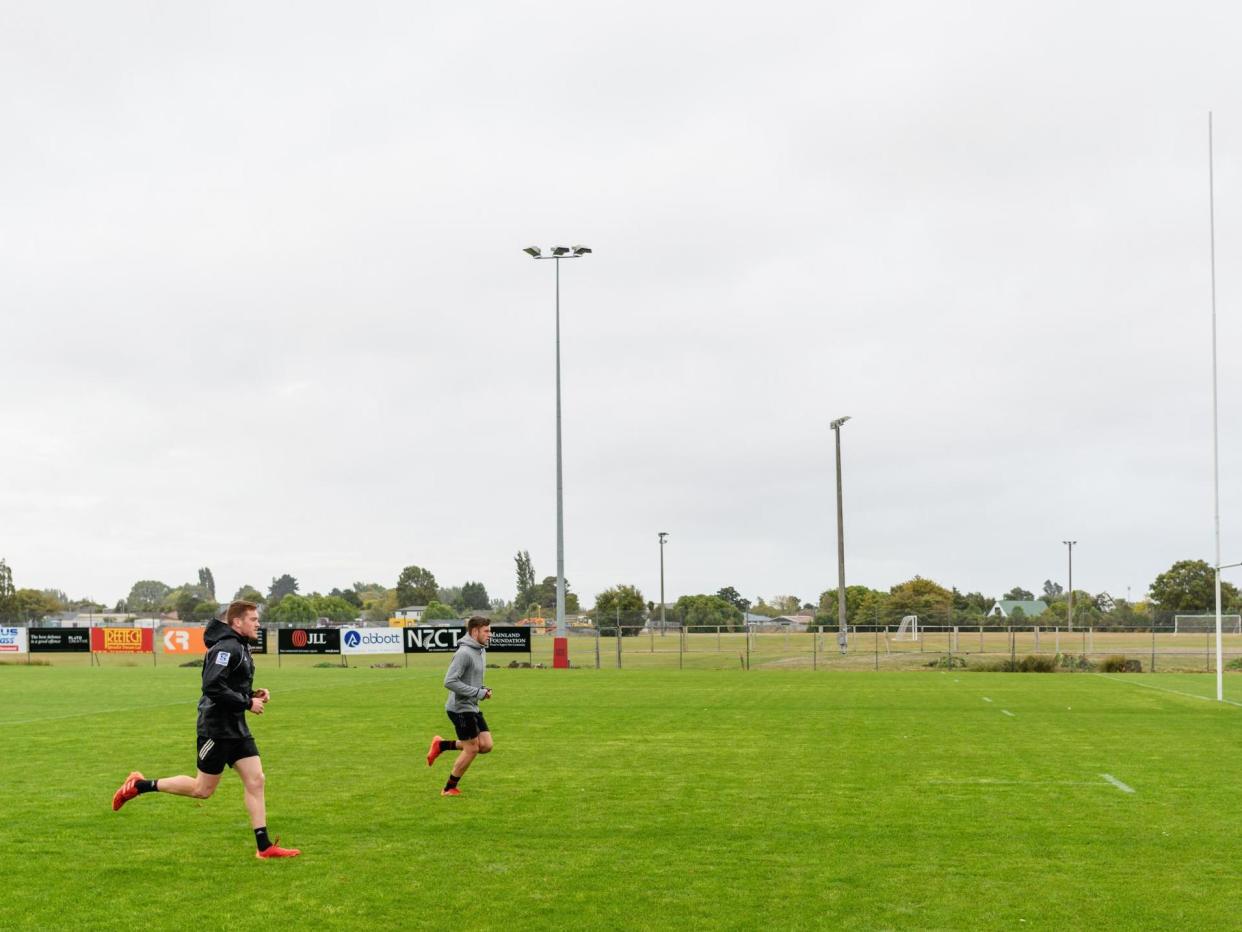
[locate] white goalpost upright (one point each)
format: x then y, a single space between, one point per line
909 629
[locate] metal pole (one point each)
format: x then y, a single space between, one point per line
560 510
1220 683
1069 613
842 636
663 623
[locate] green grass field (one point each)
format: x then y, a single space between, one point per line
632 799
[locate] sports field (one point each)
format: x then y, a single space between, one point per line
633 799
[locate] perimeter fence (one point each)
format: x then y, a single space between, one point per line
1150 649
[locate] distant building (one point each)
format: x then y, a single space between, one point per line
410 612
1006 607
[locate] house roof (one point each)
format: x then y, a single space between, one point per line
1031 609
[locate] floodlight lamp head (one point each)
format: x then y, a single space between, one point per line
581 250
662 535
836 425
533 251
560 250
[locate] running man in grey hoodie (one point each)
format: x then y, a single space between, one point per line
464 681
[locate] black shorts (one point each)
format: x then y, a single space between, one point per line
214 753
468 724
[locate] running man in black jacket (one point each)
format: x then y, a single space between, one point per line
223 736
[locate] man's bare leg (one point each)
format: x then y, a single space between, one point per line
200 786
250 769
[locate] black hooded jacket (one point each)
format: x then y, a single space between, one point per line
228 678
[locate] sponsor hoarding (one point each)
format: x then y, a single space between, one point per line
426 639
183 640
13 641
260 642
122 640
60 640
371 641
509 640
309 640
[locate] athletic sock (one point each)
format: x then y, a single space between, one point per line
146 786
448 746
452 783
261 839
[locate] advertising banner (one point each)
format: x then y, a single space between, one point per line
60 640
371 641
122 640
260 642
426 639
509 640
13 641
309 640
183 640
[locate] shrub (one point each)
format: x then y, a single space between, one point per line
1119 664
1032 663
1037 663
1075 662
948 662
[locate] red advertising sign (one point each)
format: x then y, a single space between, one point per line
122 640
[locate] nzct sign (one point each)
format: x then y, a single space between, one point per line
429 640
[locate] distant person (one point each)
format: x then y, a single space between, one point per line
464 681
223 736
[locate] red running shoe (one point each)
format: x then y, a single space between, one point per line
275 851
127 791
434 751
453 792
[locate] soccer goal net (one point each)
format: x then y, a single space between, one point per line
1192 624
908 630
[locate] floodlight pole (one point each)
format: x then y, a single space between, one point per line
1220 683
1069 613
560 652
663 623
842 635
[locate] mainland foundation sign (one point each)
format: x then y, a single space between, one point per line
433 640
60 640
371 641
309 640
13 641
122 640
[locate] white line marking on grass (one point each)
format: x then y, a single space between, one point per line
1007 712
1165 689
986 699
986 782
1117 783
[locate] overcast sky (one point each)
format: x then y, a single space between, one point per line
263 305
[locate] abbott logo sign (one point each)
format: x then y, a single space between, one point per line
371 641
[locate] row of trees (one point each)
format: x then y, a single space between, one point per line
1187 587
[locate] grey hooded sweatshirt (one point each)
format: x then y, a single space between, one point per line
464 679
